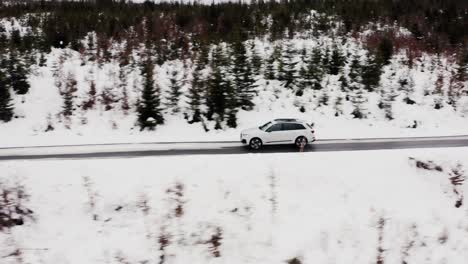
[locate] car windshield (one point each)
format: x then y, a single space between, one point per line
265 126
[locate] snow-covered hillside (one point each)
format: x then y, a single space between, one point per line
403 206
39 118
416 97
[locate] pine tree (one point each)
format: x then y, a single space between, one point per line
244 80
123 87
195 91
42 60
337 61
255 60
388 95
312 71
149 113
216 101
68 95
385 51
338 106
270 70
356 87
91 101
371 72
174 92
231 105
18 75
406 85
6 107
287 67
221 94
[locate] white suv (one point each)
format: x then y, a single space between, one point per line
279 131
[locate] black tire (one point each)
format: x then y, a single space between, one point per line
255 144
301 141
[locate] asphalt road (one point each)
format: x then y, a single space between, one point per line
133 150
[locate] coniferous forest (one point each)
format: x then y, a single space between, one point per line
213 60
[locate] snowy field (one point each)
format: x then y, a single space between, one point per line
341 207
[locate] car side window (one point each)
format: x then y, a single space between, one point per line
298 127
290 126
274 128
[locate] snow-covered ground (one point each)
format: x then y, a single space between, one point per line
256 208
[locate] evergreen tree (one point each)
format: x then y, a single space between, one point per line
255 60
221 97
357 88
231 105
337 61
287 67
216 100
68 95
270 71
371 72
6 107
312 71
174 92
244 80
385 51
42 60
387 98
406 85
338 106
461 74
195 91
123 87
18 74
149 113
91 101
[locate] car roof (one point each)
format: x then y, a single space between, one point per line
286 120
289 120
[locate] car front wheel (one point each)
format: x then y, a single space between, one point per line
255 143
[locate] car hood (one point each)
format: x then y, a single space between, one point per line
250 130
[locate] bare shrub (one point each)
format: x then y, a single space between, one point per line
426 165
164 241
92 196
380 250
178 197
143 204
120 258
215 242
443 237
13 211
295 260
273 194
107 98
50 126
409 244
457 178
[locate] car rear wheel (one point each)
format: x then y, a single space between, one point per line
255 143
301 142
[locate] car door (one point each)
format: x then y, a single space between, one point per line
293 131
275 134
